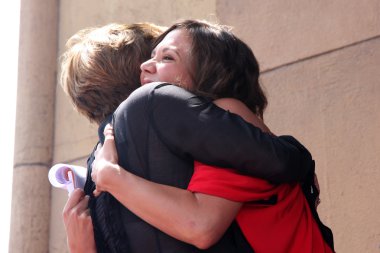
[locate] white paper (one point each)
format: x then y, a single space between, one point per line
67 176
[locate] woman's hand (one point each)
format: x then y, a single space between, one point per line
78 223
105 166
316 183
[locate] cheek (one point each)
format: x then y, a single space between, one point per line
168 74
187 79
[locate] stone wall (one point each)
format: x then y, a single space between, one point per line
320 62
34 143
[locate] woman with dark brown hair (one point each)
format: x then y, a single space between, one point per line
210 61
167 129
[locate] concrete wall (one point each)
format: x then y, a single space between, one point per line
320 62
34 130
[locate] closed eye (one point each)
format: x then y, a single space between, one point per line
167 58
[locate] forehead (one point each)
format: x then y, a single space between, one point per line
177 39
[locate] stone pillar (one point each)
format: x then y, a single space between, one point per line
34 126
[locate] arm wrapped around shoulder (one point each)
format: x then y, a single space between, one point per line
193 126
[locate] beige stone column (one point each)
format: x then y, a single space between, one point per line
34 126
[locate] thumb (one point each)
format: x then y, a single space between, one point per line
109 151
98 148
108 131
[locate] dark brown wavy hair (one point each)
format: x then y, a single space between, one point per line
223 65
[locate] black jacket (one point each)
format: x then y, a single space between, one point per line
159 131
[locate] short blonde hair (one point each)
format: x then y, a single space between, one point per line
101 66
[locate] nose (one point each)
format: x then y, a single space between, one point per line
148 66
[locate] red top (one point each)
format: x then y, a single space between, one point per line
286 226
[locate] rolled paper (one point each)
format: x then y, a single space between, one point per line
67 176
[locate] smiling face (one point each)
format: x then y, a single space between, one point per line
170 62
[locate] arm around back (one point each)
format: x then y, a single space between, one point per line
193 126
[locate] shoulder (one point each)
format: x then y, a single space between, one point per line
158 90
238 107
167 91
160 98
230 104
166 95
140 96
157 94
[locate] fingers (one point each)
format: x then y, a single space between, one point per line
105 156
316 182
97 192
74 198
98 148
108 128
93 171
76 205
86 214
108 132
83 204
109 144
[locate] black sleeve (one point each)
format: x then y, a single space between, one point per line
195 127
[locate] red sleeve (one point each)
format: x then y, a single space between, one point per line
228 184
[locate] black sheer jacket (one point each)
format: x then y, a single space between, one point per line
159 131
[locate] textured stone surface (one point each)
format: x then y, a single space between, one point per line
74 135
163 12
332 103
30 210
34 126
36 83
321 90
289 30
